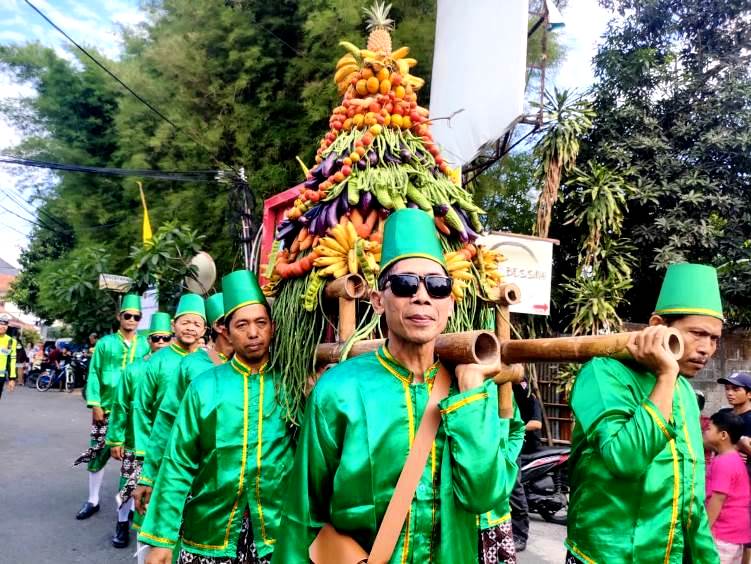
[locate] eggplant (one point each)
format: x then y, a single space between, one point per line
303 220
471 233
327 166
312 183
343 205
362 164
283 230
372 157
390 159
366 200
332 217
441 210
412 205
316 171
339 162
313 228
405 155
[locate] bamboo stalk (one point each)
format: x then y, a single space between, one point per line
346 290
480 347
505 295
580 349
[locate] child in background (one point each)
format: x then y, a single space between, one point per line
728 491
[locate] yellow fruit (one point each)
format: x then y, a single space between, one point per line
396 120
406 122
385 86
400 53
410 62
347 125
347 59
357 120
376 129
399 92
383 74
387 120
370 119
344 72
362 87
366 73
373 85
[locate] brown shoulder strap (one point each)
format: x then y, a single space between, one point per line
396 512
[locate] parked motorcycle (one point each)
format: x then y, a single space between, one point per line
80 364
545 481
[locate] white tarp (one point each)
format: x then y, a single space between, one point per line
528 264
479 66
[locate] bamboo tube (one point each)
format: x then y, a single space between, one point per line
468 347
505 295
580 349
346 290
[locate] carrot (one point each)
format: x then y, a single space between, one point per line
441 225
344 220
295 246
371 221
356 218
306 263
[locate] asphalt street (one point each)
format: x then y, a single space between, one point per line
41 433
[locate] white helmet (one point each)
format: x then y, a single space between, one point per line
5 318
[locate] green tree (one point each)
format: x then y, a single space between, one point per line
672 109
164 263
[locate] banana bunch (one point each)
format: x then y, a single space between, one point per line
345 68
337 254
460 269
369 258
487 261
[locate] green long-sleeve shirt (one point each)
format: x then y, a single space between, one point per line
112 355
191 366
120 429
637 480
513 442
161 372
230 448
359 425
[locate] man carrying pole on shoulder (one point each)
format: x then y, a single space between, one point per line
637 463
120 433
230 450
361 421
112 355
188 326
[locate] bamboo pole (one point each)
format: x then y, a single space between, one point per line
469 347
508 294
346 290
580 349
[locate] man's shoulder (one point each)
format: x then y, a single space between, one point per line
345 376
207 380
611 366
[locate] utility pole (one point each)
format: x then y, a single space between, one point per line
246 239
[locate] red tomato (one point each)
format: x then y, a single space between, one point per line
346 170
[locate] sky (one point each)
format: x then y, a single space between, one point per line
97 23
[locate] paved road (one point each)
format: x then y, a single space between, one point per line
40 436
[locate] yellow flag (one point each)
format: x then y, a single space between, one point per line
146 230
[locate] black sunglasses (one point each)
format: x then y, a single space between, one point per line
406 285
158 338
128 316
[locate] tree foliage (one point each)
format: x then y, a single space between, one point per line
673 114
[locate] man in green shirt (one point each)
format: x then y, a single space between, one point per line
363 414
120 436
188 327
112 355
637 462
191 366
225 466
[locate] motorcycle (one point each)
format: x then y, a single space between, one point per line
80 364
544 475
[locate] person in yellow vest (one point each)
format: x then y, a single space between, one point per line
7 355
112 355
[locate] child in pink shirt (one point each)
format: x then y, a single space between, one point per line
728 491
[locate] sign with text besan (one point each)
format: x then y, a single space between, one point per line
528 264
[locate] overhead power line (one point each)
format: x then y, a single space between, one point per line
173 175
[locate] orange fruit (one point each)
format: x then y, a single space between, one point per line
366 73
357 120
399 91
406 122
383 74
372 85
385 86
362 87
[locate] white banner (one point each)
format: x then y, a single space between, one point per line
528 264
479 67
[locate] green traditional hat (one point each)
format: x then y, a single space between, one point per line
215 307
191 303
690 289
161 324
131 302
240 288
410 233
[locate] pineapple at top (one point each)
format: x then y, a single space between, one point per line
380 27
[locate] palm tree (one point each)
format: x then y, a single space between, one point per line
566 119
